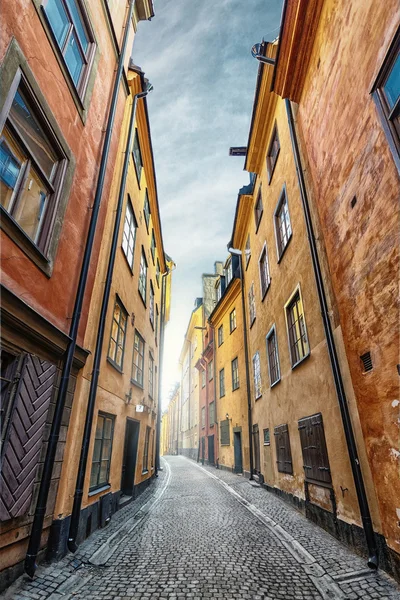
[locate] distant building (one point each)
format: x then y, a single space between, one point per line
208 426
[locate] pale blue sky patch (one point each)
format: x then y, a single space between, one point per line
196 53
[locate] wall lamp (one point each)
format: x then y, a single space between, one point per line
255 52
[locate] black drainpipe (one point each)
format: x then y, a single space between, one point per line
80 479
341 395
37 525
160 366
246 354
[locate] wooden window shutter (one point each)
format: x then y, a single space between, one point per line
313 446
283 451
23 444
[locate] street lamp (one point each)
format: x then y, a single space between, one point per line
237 252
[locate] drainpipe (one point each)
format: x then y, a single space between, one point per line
340 391
40 511
246 354
160 365
80 479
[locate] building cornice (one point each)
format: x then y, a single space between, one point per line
298 29
244 210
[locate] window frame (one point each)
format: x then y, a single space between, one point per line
225 429
235 383
247 251
138 168
256 363
101 485
271 164
291 301
123 310
211 413
129 206
228 271
252 304
151 304
220 335
268 441
264 252
153 246
257 212
141 339
272 332
16 76
203 378
316 453
143 260
386 113
232 320
221 379
210 370
280 249
146 209
203 417
151 376
284 457
158 272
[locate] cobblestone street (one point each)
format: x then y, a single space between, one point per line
201 533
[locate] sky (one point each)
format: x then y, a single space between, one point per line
196 54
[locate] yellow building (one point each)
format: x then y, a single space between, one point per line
298 439
230 371
122 443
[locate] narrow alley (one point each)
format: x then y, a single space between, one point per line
198 532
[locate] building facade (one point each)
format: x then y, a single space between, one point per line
207 420
348 87
51 141
122 444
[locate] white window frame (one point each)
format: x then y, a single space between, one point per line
267 271
271 332
252 304
257 375
297 290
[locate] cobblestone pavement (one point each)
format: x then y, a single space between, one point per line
201 533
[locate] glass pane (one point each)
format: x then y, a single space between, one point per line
58 19
11 161
74 59
94 474
96 450
31 205
99 428
117 310
392 85
107 429
103 472
32 133
118 358
105 455
112 349
77 19
114 330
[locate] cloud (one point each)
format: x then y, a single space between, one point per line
197 56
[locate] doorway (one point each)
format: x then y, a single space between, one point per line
211 456
130 454
237 449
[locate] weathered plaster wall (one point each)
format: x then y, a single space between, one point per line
349 156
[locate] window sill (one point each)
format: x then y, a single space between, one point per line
259 222
258 397
114 364
247 264
266 291
252 323
323 484
98 490
275 383
269 443
137 384
223 396
126 260
280 256
142 299
145 472
235 389
232 330
271 171
211 426
299 362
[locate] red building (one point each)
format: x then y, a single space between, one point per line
208 427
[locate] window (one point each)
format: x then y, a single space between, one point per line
32 167
153 245
203 379
146 209
137 159
283 229
258 210
263 265
210 370
143 276
267 439
138 359
118 333
145 465
283 452
228 271
203 417
313 446
102 451
298 342
219 291
158 272
235 374
222 383
70 28
129 235
151 305
257 375
272 153
232 320
273 358
212 413
252 304
247 251
156 327
386 92
220 335
151 375
224 429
